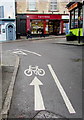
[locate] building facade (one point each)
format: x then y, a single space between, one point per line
49 15
7 20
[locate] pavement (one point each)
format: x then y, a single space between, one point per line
9 67
60 39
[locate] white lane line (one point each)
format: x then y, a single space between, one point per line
39 104
65 98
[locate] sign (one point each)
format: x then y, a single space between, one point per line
43 16
66 17
73 6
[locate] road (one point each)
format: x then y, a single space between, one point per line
53 82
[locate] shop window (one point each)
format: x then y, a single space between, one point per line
81 18
53 5
76 18
1 11
54 27
36 26
72 19
32 5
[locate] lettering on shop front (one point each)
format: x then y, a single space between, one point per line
43 16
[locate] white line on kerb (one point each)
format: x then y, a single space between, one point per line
65 98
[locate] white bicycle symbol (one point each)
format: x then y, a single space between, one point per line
35 70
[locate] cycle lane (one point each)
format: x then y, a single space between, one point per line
23 99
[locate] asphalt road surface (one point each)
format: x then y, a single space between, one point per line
49 79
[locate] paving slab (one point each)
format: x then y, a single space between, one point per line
8 71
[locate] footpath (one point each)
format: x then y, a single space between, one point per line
9 65
60 39
8 70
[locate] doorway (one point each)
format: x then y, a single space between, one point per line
54 27
10 32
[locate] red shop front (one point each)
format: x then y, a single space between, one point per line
50 23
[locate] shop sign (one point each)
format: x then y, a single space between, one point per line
65 17
43 17
73 6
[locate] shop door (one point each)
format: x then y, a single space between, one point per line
23 27
10 32
54 27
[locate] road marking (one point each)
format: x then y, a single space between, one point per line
19 52
65 98
34 69
31 52
15 50
39 104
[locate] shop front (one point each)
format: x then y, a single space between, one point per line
51 24
76 18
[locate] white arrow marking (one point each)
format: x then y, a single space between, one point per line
20 52
31 52
39 104
65 98
25 51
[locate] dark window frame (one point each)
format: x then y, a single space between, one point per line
79 9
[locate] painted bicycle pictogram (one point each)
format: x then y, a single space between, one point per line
34 69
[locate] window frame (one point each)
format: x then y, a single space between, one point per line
2 12
54 5
32 6
79 9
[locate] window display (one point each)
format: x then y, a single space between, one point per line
49 26
36 26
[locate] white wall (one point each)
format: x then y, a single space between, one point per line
3 35
9 8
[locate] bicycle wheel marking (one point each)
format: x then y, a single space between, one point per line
34 70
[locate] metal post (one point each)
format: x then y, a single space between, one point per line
79 34
83 18
79 30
